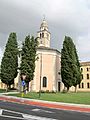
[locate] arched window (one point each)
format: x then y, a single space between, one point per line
87 69
82 76
81 69
87 76
88 85
44 82
42 35
82 85
79 86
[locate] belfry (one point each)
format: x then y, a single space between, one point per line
44 35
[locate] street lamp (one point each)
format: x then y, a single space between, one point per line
40 74
23 77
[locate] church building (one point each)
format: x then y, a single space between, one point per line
47 70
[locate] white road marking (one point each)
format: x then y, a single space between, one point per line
41 110
1 111
36 117
6 116
24 116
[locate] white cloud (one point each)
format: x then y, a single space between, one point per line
65 17
1 53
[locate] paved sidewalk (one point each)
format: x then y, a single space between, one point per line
56 105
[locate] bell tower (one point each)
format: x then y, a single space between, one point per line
44 35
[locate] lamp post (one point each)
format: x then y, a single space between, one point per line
40 74
23 83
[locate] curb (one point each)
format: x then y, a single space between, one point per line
48 104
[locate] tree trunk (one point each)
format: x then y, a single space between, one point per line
67 89
76 89
7 88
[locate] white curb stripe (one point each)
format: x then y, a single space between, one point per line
36 117
1 111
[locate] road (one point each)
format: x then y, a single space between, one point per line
15 111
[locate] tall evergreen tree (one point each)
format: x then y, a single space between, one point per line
70 66
28 58
9 62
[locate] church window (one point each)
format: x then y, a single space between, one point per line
79 86
82 76
88 85
87 76
82 85
81 69
87 69
44 82
42 35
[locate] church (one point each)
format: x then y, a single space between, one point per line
47 71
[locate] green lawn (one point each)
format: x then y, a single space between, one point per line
2 90
79 98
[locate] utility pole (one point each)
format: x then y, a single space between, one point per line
40 74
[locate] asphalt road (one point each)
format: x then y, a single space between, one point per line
14 111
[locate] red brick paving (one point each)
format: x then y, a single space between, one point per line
49 105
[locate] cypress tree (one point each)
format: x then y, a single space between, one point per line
28 58
70 66
9 62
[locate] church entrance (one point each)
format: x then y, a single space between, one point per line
59 85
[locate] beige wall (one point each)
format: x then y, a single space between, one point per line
85 66
48 62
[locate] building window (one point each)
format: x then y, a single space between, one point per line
87 76
42 35
44 82
82 85
88 85
81 69
87 69
82 76
79 86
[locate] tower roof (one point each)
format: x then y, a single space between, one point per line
44 25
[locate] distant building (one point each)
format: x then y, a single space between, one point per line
85 83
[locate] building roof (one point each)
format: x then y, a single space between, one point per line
85 63
48 49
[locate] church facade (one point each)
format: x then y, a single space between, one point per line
47 70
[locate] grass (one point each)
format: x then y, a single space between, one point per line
2 90
79 98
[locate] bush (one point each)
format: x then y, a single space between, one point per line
64 91
53 91
12 89
47 91
42 91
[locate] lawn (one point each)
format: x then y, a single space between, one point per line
2 90
79 98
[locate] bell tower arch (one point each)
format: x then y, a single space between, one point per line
44 35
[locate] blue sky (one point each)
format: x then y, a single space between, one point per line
64 17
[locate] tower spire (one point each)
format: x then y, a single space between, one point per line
44 17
